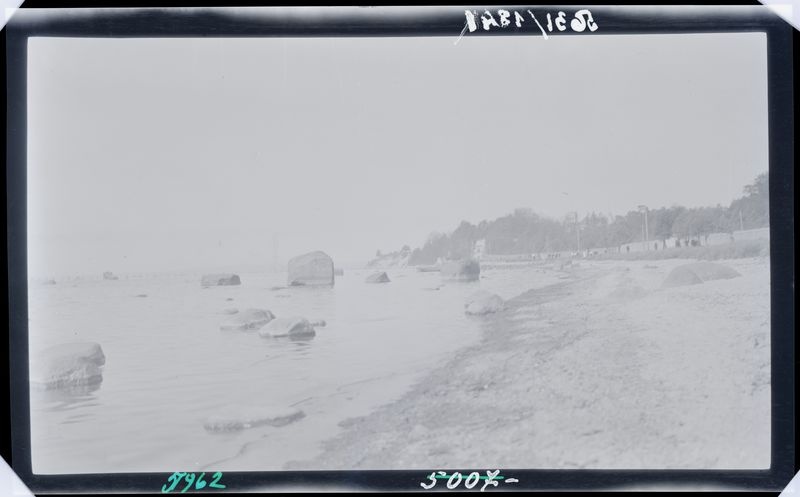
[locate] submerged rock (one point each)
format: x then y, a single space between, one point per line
67 365
311 269
248 319
240 418
141 295
681 276
483 302
230 310
221 279
465 270
294 326
377 278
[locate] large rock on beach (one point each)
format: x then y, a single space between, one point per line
681 276
712 271
698 272
67 365
292 327
464 270
627 292
483 302
239 418
221 279
311 269
248 319
380 277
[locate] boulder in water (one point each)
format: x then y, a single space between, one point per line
681 276
248 319
221 279
311 269
293 327
483 302
380 277
67 365
712 271
464 270
240 418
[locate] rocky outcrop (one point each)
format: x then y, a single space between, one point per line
248 319
67 365
222 279
483 302
377 278
311 269
242 417
464 270
292 327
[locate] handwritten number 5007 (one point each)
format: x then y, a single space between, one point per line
190 479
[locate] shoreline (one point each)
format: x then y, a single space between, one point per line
595 371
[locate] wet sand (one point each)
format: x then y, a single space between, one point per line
602 370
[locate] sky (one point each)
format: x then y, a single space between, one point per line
193 154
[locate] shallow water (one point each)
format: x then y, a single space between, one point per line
169 366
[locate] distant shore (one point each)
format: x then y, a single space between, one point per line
602 370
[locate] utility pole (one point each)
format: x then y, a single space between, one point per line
275 244
645 233
577 228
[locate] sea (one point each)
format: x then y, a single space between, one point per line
169 366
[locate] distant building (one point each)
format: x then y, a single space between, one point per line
479 249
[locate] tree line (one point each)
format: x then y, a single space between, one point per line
525 232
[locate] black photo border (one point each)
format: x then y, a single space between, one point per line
412 21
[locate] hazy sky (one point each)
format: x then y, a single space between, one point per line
173 154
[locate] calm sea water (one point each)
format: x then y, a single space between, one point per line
169 366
